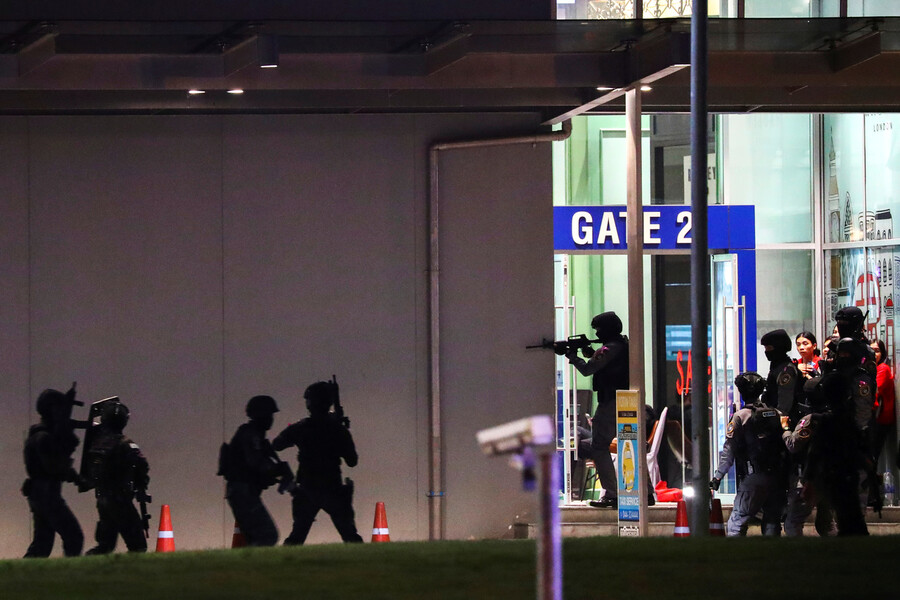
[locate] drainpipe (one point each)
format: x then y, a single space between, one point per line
435 473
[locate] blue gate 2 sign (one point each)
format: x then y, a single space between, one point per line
667 227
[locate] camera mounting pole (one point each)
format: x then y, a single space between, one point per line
533 440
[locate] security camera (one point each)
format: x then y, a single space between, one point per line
515 436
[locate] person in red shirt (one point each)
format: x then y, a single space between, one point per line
885 421
808 349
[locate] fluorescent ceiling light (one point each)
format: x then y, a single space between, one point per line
196 92
236 91
267 50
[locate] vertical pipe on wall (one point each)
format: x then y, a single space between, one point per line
699 271
435 473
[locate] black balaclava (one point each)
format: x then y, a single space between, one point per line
780 342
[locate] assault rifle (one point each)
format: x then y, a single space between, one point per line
70 399
343 420
143 499
572 344
336 400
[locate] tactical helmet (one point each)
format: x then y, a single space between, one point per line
750 384
849 353
48 401
608 325
849 321
318 397
778 339
261 406
114 415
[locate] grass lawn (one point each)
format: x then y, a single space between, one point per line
595 568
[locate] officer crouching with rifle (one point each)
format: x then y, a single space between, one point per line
118 472
322 440
250 465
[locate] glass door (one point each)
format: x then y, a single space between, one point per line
726 356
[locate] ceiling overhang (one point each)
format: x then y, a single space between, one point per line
552 67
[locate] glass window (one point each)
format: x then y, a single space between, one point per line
671 154
882 157
846 218
596 156
624 9
767 164
613 156
778 8
843 270
864 278
873 8
788 300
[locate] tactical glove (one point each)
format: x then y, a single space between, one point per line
714 483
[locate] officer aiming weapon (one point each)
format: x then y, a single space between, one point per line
572 344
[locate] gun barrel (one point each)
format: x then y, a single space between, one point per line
545 343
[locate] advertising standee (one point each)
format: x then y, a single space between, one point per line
629 430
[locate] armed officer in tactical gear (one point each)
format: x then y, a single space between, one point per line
840 451
48 462
322 441
250 465
753 444
118 472
850 323
805 489
784 384
608 368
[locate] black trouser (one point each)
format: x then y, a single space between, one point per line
603 430
757 491
51 516
334 500
843 483
800 504
245 500
118 516
882 431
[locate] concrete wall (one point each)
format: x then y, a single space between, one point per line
188 263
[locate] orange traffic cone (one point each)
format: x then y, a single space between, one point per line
380 528
165 540
716 526
681 520
237 539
